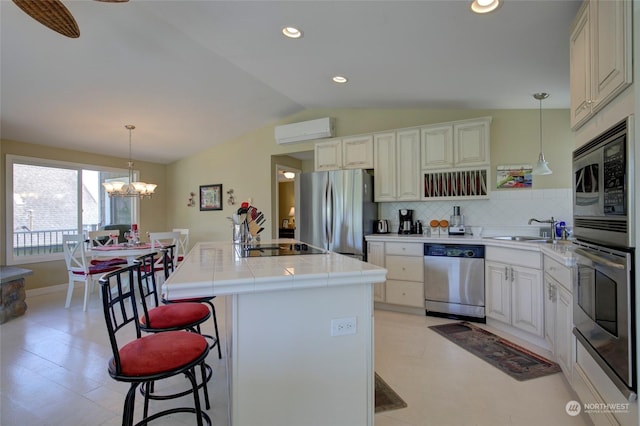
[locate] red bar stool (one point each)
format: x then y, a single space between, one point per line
154 357
169 266
157 318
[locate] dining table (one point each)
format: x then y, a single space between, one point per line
124 250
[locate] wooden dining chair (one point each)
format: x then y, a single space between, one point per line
145 360
105 238
160 240
183 244
79 269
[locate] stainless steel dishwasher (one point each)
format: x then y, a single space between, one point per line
454 281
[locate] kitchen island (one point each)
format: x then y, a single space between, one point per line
299 332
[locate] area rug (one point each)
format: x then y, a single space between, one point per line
386 398
516 361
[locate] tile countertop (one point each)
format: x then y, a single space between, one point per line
562 251
217 268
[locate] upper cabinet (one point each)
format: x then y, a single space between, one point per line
397 165
600 56
459 144
355 152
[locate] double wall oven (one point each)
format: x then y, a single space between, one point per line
604 227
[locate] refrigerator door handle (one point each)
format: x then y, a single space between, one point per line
330 213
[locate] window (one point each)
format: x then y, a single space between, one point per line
51 199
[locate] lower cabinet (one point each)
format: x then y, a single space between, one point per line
375 255
514 288
405 273
558 305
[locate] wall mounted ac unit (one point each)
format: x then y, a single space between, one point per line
305 130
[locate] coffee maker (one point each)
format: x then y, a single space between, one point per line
406 221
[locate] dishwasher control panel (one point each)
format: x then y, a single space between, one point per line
454 250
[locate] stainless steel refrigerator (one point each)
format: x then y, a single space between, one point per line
337 210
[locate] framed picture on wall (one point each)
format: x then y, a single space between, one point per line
211 197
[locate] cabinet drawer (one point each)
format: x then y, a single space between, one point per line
406 249
405 293
558 271
530 259
405 268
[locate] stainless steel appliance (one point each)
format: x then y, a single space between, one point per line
454 281
381 227
456 222
406 221
603 193
336 210
604 289
603 314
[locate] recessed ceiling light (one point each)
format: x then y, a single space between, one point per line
340 79
289 175
292 32
484 6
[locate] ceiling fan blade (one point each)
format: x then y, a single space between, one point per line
52 14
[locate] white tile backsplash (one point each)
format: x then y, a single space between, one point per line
506 211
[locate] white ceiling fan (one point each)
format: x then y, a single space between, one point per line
54 14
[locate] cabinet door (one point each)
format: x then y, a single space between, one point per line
580 69
375 255
384 158
357 152
564 325
498 291
550 312
526 300
471 143
328 155
611 49
408 165
405 268
437 147
406 293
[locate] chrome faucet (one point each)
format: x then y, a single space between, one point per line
552 225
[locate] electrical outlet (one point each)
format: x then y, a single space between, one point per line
343 326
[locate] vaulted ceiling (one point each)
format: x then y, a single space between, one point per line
191 74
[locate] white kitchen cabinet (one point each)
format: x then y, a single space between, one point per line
513 282
471 143
354 152
437 147
600 56
375 255
457 144
397 165
559 313
405 274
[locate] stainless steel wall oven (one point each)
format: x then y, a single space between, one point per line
604 288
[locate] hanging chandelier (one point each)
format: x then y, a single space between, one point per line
130 188
542 166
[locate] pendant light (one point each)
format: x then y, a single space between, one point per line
542 166
130 188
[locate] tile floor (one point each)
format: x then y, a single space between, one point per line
53 372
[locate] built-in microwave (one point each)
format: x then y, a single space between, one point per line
602 190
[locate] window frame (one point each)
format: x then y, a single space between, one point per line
10 259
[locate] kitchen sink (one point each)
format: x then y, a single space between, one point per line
522 238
